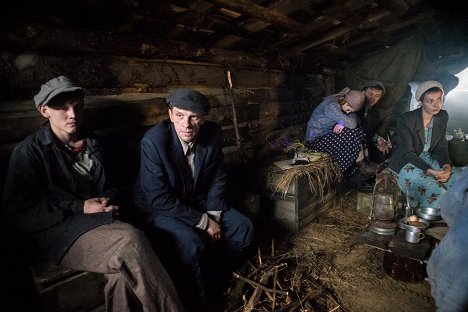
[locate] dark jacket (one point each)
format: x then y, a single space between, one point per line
41 195
161 189
410 140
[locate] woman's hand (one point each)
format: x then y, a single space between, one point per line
338 128
447 168
440 175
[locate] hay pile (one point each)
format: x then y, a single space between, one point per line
322 268
320 173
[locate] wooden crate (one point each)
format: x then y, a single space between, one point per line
299 205
364 203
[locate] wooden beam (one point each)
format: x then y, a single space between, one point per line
264 14
32 38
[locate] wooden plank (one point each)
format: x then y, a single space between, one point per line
117 73
284 214
314 206
42 37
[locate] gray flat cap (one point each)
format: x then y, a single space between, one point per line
189 99
374 83
52 88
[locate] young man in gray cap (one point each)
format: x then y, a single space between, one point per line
376 130
182 191
56 191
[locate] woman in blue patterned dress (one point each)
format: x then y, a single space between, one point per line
421 157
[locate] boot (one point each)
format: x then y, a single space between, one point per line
367 169
360 183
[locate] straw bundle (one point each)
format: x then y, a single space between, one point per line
321 172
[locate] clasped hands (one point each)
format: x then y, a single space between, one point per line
99 204
443 175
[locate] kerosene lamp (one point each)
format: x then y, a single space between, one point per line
384 203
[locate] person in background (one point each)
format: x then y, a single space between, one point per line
447 267
56 192
181 190
377 134
333 129
421 157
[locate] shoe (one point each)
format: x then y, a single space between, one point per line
365 187
359 182
367 169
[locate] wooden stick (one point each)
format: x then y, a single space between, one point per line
260 286
273 248
293 306
273 304
234 118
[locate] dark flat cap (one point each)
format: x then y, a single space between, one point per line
52 88
189 99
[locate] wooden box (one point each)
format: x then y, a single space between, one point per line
364 203
299 205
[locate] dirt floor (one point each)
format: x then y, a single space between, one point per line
323 268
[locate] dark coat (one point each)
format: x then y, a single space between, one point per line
161 189
410 140
41 194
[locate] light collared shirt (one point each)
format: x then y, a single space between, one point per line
189 152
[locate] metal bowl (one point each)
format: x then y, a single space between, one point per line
428 217
424 224
429 210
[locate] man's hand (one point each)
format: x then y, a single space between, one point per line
99 204
383 145
213 229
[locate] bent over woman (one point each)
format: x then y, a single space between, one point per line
333 129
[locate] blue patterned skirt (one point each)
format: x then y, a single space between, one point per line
422 189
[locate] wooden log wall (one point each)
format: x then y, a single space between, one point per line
126 87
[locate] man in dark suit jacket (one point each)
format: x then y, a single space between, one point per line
181 190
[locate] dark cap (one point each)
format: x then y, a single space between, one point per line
52 88
374 83
189 99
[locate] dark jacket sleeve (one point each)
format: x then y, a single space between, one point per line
440 144
407 142
28 204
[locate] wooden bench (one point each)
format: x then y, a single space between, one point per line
62 289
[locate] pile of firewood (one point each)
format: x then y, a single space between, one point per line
278 282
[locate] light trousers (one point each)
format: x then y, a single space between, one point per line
136 280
